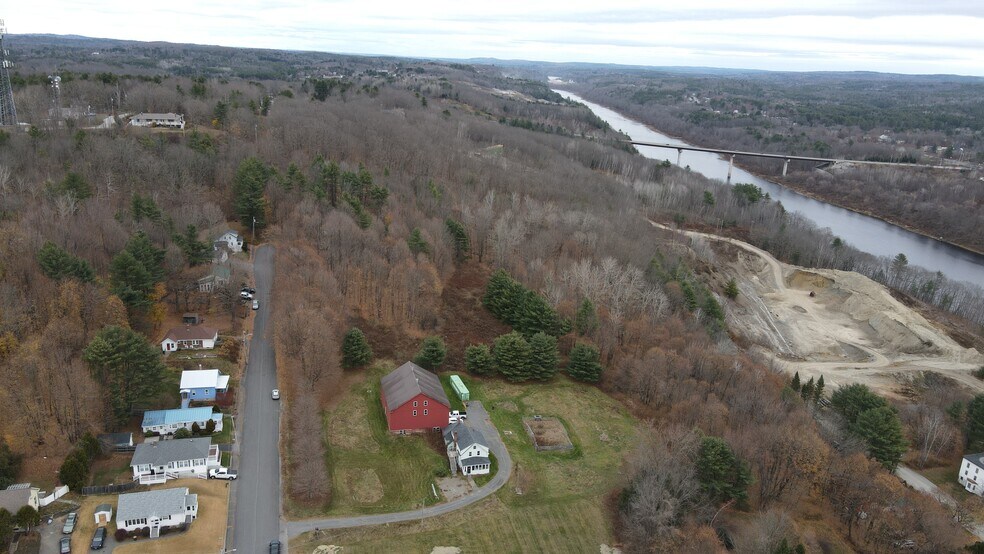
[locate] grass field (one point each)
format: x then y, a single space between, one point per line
225 436
372 470
561 507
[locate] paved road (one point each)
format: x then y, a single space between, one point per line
478 417
255 502
917 481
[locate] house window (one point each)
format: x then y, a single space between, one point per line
414 403
425 411
425 402
415 412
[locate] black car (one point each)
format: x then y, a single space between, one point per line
65 545
274 547
99 539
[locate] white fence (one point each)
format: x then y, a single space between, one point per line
59 492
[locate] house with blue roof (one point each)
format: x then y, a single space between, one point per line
167 422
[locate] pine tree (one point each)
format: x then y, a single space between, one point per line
689 296
75 185
416 243
496 298
731 289
512 355
479 360
459 238
544 356
818 391
130 368
129 280
149 256
583 364
247 188
882 430
806 391
58 264
586 318
721 473
196 252
355 349
795 384
432 353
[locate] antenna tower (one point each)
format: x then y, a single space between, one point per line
8 113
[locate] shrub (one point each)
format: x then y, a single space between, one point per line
182 433
196 429
478 359
121 535
355 349
512 356
432 353
210 427
584 364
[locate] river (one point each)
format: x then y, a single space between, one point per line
861 231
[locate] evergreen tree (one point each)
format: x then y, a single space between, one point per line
818 391
512 355
58 264
130 281
6 526
196 429
144 207
355 349
712 309
210 426
149 256
294 180
196 252
27 517
74 471
544 356
496 298
851 401
689 296
479 360
416 243
10 464
584 365
795 384
247 188
459 238
722 475
806 391
129 367
182 433
74 185
975 423
432 353
731 289
586 318
882 430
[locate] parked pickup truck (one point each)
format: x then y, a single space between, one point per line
223 473
455 415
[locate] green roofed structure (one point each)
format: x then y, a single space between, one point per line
459 388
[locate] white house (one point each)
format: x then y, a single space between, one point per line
971 474
195 337
156 509
202 385
167 422
467 449
231 240
18 495
168 120
156 462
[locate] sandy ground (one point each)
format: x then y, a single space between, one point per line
851 331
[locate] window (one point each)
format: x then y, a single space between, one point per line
425 411
414 403
415 412
425 403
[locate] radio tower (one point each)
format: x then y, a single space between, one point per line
8 113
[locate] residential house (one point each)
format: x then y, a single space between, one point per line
467 449
167 422
17 496
413 400
971 474
202 385
156 462
230 239
156 510
218 276
168 120
195 337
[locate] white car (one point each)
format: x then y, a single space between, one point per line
246 295
276 394
223 473
256 304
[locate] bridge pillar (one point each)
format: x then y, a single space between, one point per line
731 164
679 155
785 166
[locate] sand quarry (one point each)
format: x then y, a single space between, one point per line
850 331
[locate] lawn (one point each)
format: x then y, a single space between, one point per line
372 470
554 501
225 436
114 468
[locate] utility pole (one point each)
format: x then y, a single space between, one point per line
8 113
254 229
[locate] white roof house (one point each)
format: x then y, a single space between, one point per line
156 509
169 120
202 378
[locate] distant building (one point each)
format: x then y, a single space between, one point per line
218 276
413 400
167 422
156 509
970 475
168 120
116 441
191 337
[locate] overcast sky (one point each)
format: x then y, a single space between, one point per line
902 36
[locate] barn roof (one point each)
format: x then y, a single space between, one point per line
409 380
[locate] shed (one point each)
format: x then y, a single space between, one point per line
104 514
459 388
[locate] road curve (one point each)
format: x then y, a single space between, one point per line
479 418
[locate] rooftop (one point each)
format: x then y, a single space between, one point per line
164 452
976 459
169 417
203 378
149 115
14 499
157 503
409 380
191 332
466 435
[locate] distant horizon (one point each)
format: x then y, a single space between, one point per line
916 37
516 61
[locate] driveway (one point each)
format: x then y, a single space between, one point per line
477 417
51 536
917 481
255 499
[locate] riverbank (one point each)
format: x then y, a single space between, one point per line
803 190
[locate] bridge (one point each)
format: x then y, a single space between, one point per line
785 157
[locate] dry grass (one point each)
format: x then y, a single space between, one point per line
206 534
548 432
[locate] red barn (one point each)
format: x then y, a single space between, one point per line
413 400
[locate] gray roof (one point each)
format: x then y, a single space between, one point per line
466 434
163 452
14 499
116 438
104 508
158 503
409 380
151 115
976 459
475 460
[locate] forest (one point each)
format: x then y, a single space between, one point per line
385 185
929 120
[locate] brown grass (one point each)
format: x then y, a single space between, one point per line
548 432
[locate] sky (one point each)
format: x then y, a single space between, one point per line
898 36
